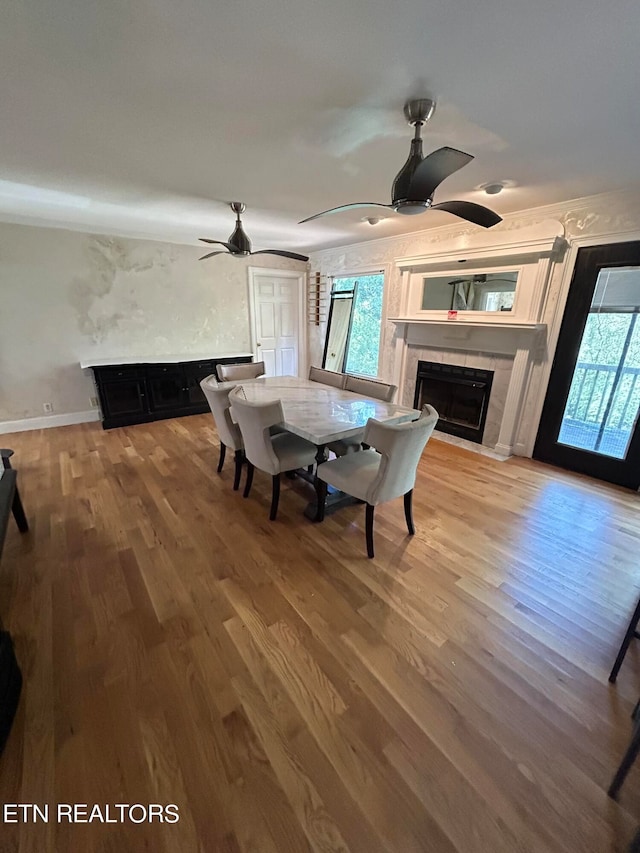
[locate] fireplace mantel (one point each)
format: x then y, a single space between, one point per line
533 252
471 323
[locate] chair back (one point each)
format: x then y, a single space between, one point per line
231 372
255 420
370 388
327 377
218 400
400 446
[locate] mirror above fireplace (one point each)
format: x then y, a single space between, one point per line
482 291
493 281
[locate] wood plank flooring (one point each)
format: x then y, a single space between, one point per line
290 695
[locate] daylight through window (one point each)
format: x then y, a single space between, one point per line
353 331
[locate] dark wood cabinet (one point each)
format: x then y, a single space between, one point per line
137 393
166 387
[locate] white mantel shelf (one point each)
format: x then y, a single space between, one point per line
472 324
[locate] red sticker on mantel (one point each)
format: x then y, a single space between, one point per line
452 315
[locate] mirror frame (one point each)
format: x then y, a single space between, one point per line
525 282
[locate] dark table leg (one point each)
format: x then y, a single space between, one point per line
321 487
328 499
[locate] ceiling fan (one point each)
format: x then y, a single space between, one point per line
239 244
414 185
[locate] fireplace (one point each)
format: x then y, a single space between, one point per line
460 395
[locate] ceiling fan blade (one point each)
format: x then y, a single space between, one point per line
282 254
434 169
211 254
229 246
354 206
476 213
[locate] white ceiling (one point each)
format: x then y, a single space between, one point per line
144 118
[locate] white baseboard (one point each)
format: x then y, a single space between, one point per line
50 421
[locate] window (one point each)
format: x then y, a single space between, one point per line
355 318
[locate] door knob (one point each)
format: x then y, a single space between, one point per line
258 345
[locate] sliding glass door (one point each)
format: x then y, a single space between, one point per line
590 417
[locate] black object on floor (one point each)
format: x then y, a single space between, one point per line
630 755
10 686
630 634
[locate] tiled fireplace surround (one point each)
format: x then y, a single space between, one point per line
500 364
510 353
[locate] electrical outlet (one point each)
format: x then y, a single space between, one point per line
48 407
94 402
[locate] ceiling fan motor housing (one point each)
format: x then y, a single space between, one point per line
239 239
416 112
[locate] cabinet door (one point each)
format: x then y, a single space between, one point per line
166 388
123 397
195 371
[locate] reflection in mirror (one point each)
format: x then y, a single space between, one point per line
493 291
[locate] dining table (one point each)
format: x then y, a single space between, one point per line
322 414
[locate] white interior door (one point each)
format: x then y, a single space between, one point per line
276 305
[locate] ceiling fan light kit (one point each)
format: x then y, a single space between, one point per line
414 185
239 244
493 189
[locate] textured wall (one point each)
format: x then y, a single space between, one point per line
66 296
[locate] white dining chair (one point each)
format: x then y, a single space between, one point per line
233 372
381 474
327 377
273 454
228 431
369 388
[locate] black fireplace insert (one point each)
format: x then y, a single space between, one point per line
460 395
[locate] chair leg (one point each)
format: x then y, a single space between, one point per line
275 496
369 529
631 633
249 480
408 512
625 765
239 459
223 451
18 512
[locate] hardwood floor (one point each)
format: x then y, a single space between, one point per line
287 693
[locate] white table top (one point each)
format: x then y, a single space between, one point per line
321 413
157 359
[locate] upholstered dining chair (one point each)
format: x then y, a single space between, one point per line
327 377
236 372
381 474
228 431
271 453
369 388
